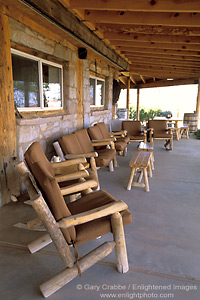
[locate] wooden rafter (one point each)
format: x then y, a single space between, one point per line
152 38
142 77
149 18
149 29
139 5
125 45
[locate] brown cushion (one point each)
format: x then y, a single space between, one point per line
42 171
95 133
88 231
124 139
104 157
104 130
158 125
69 144
136 137
84 140
120 146
133 127
159 128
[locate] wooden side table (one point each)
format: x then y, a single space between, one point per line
140 160
147 147
184 128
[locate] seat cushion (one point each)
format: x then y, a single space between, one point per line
132 127
84 140
125 139
104 157
49 187
69 144
88 231
136 137
104 130
163 135
95 133
120 146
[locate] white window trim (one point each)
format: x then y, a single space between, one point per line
98 78
40 61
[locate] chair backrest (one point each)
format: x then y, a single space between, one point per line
158 125
43 173
95 133
132 127
76 143
104 130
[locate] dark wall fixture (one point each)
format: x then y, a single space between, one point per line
116 91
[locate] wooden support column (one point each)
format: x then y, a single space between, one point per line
8 185
198 106
128 97
138 104
79 70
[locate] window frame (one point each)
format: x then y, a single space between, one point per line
40 80
101 79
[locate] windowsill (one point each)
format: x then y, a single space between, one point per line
29 120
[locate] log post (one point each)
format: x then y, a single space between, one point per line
119 238
138 104
8 183
64 277
128 97
198 106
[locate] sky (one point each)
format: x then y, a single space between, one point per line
177 99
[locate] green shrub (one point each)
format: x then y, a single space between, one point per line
144 115
197 134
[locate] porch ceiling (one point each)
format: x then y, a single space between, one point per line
160 39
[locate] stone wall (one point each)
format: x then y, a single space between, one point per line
44 128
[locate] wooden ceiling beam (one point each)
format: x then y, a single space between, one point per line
139 37
132 55
165 83
143 80
138 5
164 67
167 62
162 51
195 69
123 79
132 79
148 18
162 74
149 29
120 45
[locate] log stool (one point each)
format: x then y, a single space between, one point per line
140 160
184 128
147 147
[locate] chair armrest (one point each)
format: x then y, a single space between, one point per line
150 129
72 176
68 163
102 143
122 133
71 156
170 130
93 214
77 187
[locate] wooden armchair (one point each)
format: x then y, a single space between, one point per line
134 131
100 132
75 223
78 144
158 130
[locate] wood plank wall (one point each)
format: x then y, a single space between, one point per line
7 116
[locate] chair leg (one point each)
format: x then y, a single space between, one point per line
39 243
119 238
125 152
111 166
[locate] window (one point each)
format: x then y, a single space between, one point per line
37 83
97 90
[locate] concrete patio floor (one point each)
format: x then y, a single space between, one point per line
163 242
